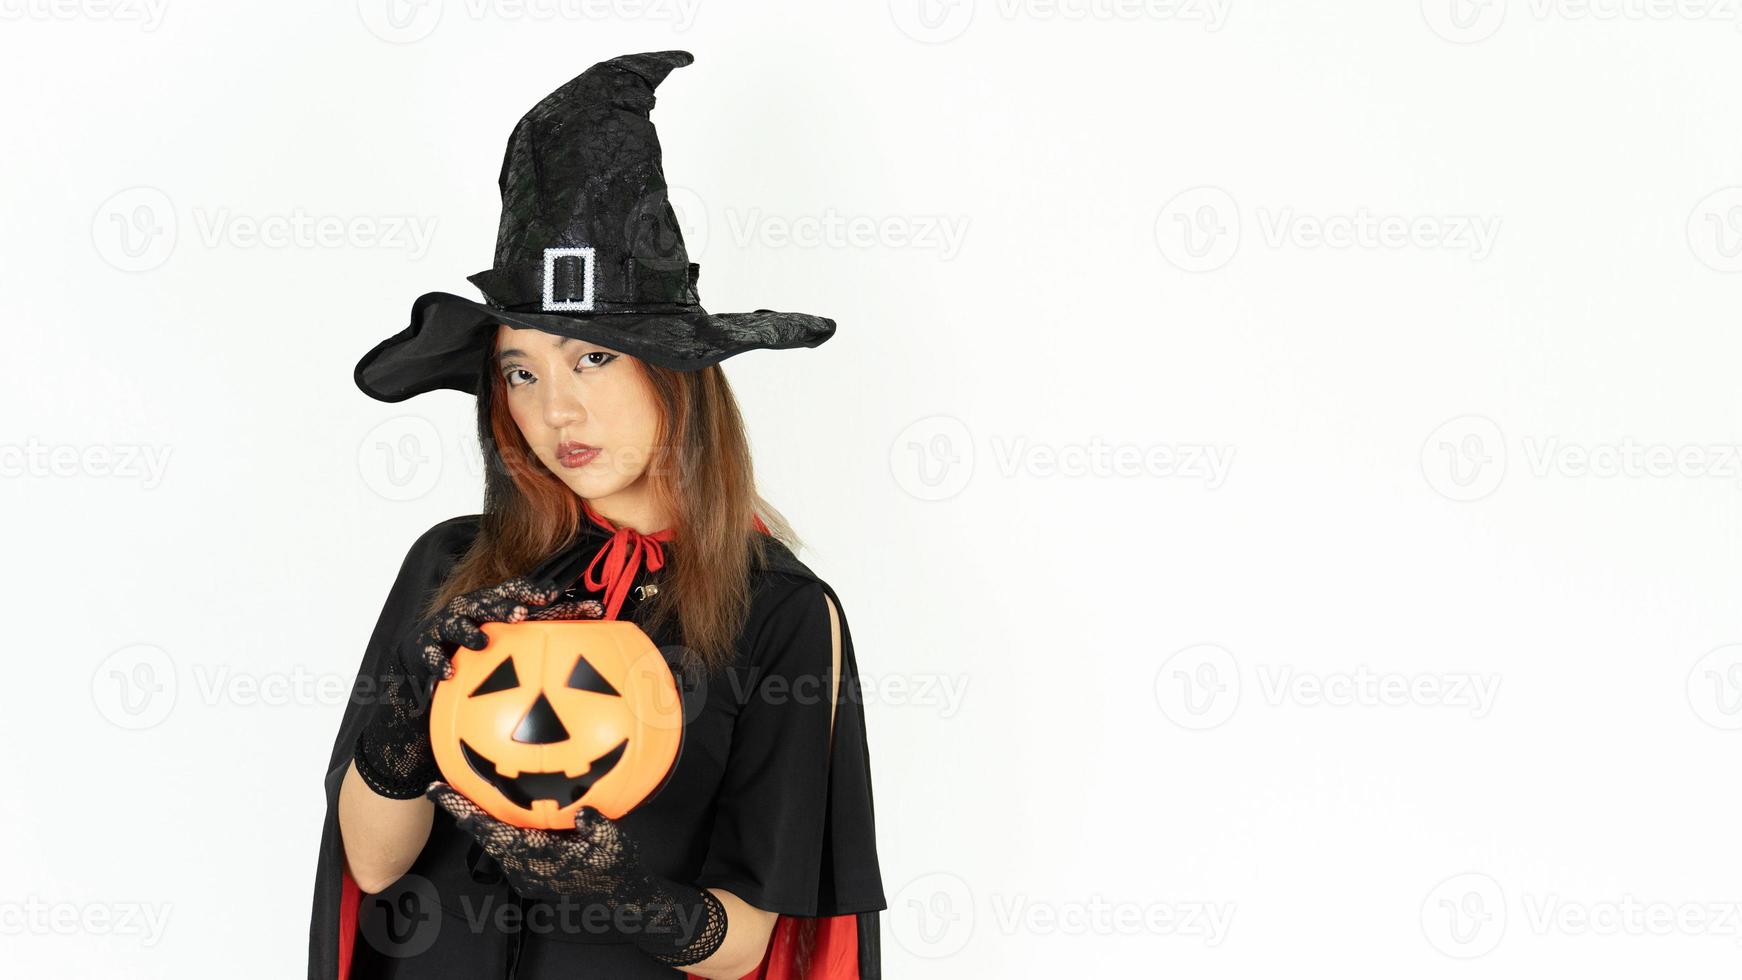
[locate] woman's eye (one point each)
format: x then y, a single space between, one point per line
511 372
588 362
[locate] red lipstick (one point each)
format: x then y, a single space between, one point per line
573 454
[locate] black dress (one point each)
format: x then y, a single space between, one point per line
764 802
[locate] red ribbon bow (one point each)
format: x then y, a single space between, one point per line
619 560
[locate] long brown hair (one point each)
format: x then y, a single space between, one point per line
700 472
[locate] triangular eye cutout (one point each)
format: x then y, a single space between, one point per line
503 678
585 678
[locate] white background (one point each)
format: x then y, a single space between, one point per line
1431 677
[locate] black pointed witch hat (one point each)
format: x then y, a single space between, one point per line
588 247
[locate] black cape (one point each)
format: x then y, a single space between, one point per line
842 937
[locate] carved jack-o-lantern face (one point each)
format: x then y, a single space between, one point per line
555 714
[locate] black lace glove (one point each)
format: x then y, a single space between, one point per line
597 862
393 754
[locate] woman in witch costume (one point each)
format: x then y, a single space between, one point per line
618 485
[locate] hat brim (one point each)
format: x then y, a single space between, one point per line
442 347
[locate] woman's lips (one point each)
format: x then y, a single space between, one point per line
573 454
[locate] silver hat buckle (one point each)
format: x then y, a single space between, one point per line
568 270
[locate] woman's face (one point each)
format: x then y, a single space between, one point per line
588 412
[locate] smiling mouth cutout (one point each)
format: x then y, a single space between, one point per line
521 790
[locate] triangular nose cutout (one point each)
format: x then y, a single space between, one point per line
541 726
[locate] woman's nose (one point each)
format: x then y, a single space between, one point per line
563 407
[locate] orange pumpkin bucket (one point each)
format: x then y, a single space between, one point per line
553 715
